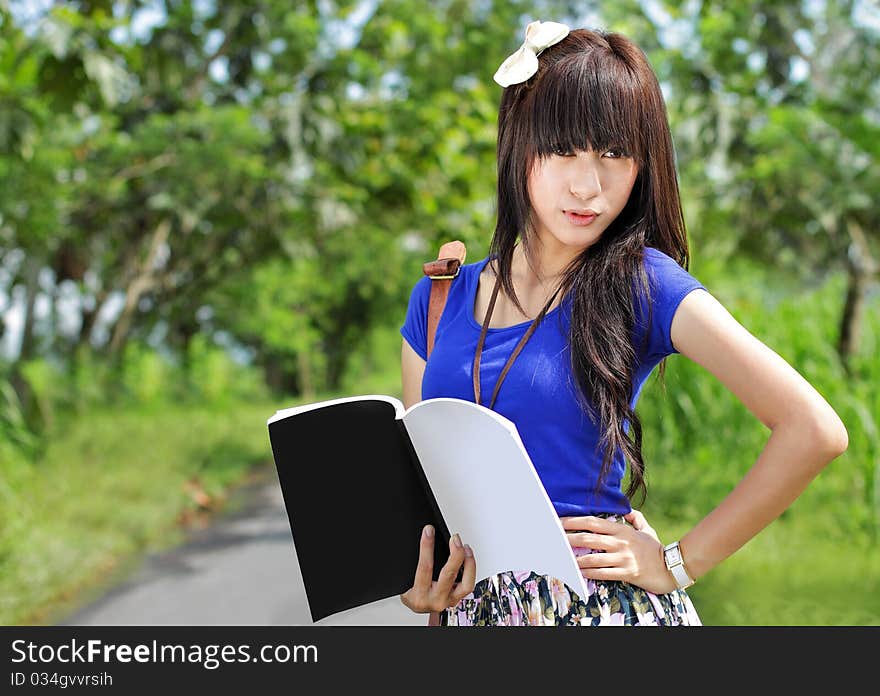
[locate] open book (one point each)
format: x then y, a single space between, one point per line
361 477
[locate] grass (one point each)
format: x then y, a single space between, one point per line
790 576
111 487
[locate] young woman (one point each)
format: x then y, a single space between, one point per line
588 266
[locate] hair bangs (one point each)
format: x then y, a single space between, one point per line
586 101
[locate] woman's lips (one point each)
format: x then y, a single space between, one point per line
579 220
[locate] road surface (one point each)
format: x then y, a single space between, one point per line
241 570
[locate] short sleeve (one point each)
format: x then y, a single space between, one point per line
669 284
415 326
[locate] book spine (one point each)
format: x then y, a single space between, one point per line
441 530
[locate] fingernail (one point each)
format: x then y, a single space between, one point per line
468 551
429 531
456 540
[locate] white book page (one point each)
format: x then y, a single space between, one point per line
285 412
488 490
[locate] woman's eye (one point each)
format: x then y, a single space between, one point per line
617 153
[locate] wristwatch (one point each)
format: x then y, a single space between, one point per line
675 563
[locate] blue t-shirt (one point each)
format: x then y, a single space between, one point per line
538 392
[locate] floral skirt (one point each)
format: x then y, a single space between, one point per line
525 598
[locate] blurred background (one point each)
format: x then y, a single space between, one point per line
210 211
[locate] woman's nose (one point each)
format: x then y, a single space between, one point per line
585 182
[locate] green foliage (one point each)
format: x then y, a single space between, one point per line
375 369
217 380
142 379
18 442
90 378
146 376
111 486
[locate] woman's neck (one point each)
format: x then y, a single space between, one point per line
545 268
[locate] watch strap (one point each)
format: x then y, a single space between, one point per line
681 576
675 563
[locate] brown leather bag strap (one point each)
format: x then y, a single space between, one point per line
442 272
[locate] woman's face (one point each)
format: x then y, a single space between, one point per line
562 184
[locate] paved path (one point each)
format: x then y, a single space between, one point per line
242 570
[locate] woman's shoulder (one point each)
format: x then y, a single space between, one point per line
668 280
661 266
655 257
668 284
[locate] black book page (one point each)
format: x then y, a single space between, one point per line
355 502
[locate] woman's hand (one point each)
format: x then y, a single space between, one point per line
426 596
633 553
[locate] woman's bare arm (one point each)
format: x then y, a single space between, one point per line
806 435
412 367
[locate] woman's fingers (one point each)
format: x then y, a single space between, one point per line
603 574
600 525
418 597
609 529
446 578
426 595
601 560
625 552
425 567
468 577
640 523
604 566
588 540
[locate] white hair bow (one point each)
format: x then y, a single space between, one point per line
521 65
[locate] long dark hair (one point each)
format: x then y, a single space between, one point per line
595 90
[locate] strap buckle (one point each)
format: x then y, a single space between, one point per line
442 269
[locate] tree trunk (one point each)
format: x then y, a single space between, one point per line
862 269
89 317
143 281
32 287
20 384
272 373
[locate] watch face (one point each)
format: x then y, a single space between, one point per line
673 556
